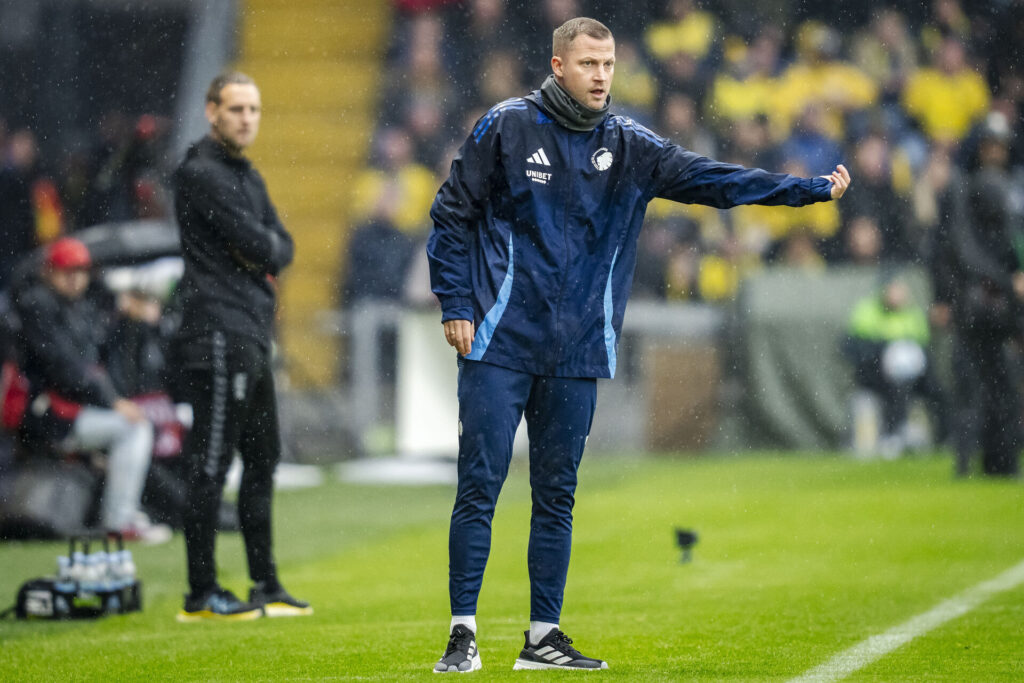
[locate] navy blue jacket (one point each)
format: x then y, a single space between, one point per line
535 230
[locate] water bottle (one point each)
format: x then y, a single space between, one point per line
64 562
103 568
127 566
63 567
93 573
77 572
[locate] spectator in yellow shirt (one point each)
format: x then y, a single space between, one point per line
819 75
410 185
949 97
745 88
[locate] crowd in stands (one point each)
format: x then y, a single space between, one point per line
70 342
900 94
114 175
907 95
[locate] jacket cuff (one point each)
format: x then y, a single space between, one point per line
456 308
821 189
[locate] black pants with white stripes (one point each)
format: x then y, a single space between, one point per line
230 385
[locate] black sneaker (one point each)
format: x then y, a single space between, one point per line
277 602
461 656
218 604
555 651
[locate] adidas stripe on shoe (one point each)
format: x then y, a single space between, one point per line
555 651
461 655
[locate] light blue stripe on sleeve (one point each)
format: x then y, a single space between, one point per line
609 310
482 339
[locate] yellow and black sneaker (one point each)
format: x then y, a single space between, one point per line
277 602
218 604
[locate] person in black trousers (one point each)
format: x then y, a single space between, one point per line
988 257
234 247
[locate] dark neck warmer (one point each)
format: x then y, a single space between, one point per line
567 111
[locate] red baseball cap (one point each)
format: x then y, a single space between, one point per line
68 253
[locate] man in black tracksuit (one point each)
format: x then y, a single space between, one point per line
986 270
234 246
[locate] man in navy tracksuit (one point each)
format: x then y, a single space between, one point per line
532 256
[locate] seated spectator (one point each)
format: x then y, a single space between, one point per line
416 70
809 143
750 143
770 228
684 45
887 347
682 28
499 78
19 172
481 27
678 119
72 405
861 241
945 19
127 153
745 88
886 52
879 202
947 98
798 249
926 198
818 75
425 121
540 19
410 186
635 87
378 256
662 243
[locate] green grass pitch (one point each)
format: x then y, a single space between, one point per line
799 558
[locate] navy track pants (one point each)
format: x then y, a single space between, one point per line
559 412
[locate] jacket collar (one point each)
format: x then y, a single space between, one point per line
564 108
209 147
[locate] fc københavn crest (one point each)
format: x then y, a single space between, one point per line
602 159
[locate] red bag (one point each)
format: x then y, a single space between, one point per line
63 408
13 396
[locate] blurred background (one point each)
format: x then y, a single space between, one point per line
738 334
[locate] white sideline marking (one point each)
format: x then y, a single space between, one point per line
874 648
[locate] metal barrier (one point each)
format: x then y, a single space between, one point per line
626 404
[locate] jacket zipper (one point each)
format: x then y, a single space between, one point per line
560 342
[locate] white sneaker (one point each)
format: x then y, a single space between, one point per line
143 530
555 651
461 655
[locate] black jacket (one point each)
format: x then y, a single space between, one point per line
984 246
59 345
233 244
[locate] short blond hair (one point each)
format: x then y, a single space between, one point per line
574 28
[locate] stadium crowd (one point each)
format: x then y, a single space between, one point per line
923 102
914 97
902 93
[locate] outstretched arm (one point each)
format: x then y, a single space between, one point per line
682 176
